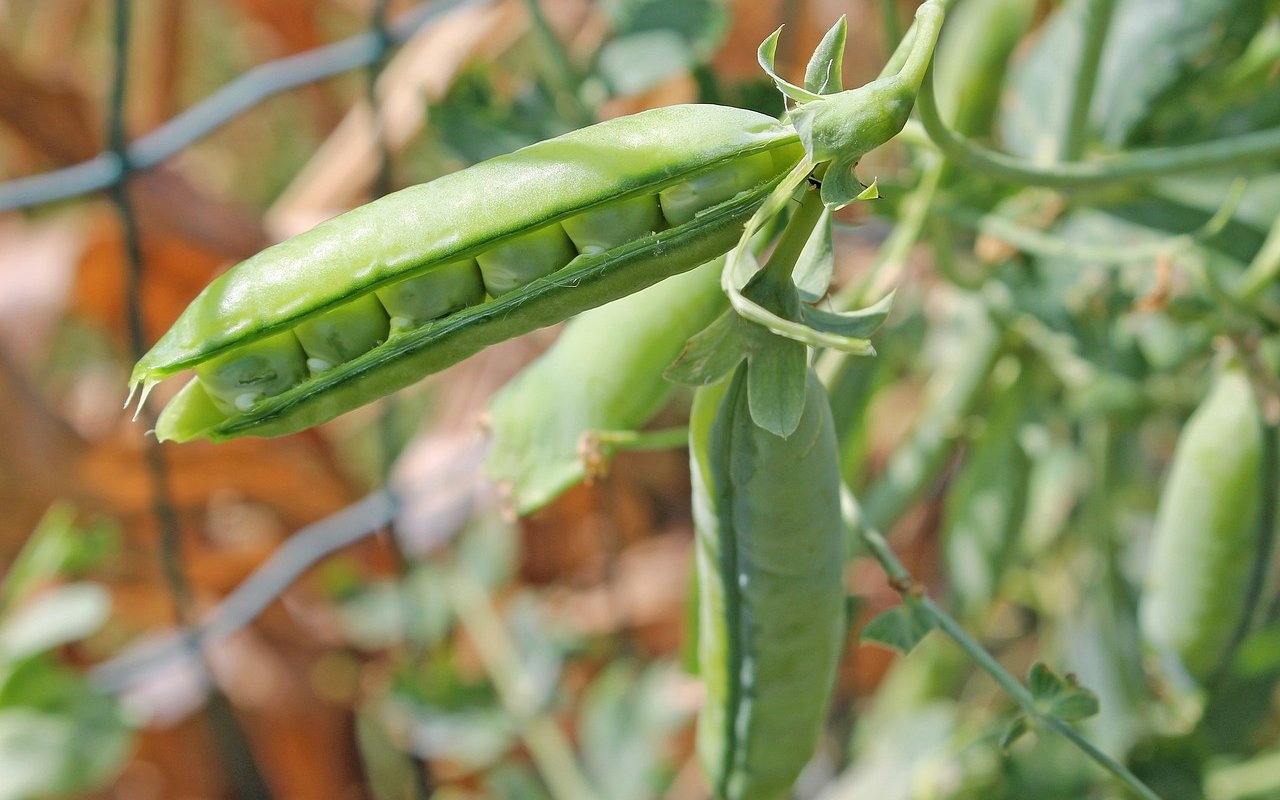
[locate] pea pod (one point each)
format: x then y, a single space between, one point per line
1208 531
593 380
769 559
328 320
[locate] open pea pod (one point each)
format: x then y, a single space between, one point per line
374 299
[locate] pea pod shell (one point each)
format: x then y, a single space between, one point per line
588 282
593 379
455 216
769 557
1207 531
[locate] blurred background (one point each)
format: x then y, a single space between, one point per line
421 642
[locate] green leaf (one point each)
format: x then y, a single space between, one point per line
1061 697
776 380
711 353
475 737
635 63
390 772
75 745
55 617
823 75
626 728
840 186
384 613
56 547
855 324
900 628
817 261
1018 727
766 56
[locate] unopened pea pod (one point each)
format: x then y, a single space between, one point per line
1209 530
769 557
594 380
516 216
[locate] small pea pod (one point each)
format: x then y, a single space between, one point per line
1208 532
376 298
769 559
591 380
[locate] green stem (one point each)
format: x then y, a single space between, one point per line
875 543
901 52
1141 165
617 441
890 21
548 747
951 396
891 260
1035 242
1264 269
564 77
1097 20
800 227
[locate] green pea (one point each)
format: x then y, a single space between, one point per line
1208 532
534 255
237 380
682 202
770 558
506 214
337 336
441 291
615 224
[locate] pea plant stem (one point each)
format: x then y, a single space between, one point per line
891 260
1039 243
903 50
1131 167
1098 15
547 745
800 227
563 76
902 580
664 439
890 20
1264 269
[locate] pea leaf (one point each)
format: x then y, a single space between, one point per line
1018 727
855 324
825 65
391 772
776 380
840 186
1061 696
816 263
899 628
766 56
55 617
710 354
638 62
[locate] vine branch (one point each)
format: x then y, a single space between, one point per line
1232 151
911 592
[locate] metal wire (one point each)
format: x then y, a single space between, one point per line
109 168
112 170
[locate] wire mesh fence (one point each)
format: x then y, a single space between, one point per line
112 172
